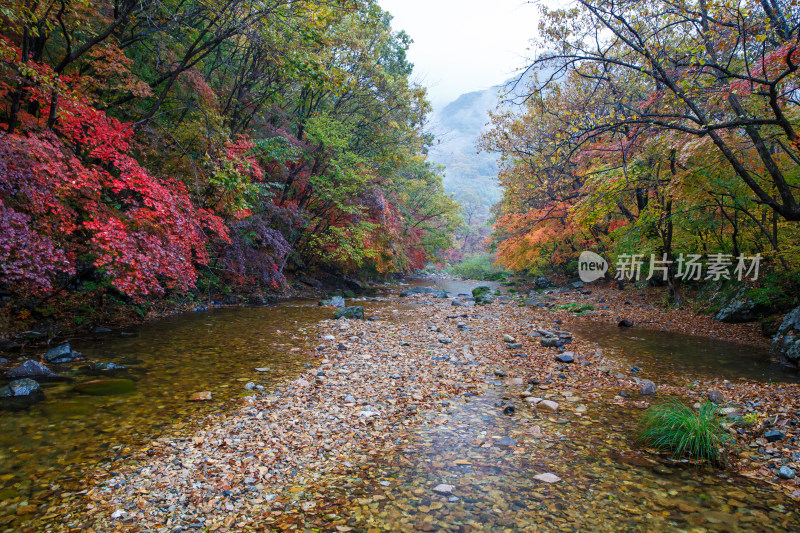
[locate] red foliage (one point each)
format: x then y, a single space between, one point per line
75 196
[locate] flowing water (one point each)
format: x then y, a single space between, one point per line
44 450
691 356
48 447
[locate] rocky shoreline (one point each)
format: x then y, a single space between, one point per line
304 455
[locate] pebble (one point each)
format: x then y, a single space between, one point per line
443 488
716 396
566 357
250 385
508 338
547 478
550 404
647 387
774 435
785 473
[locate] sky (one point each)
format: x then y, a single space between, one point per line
464 45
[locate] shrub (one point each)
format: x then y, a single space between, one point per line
480 267
673 426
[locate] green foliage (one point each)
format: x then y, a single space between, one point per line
675 427
479 267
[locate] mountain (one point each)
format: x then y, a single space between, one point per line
470 176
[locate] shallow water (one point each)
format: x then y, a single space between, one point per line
607 485
692 356
49 446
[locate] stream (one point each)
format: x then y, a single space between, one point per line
45 450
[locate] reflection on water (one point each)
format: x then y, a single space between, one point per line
694 356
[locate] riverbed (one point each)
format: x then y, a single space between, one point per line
448 438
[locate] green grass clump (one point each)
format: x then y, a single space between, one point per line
673 426
576 308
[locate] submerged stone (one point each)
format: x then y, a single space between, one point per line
354 312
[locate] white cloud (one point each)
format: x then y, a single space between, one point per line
464 45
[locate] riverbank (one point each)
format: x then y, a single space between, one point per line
27 329
404 423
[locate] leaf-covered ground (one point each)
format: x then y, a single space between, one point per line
404 424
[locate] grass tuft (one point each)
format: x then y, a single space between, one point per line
675 427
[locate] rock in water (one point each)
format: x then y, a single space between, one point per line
200 396
550 404
105 387
421 290
547 478
34 370
507 442
443 488
19 394
336 301
354 312
625 323
59 354
786 343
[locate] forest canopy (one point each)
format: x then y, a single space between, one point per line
146 146
660 127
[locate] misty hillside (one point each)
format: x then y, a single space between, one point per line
470 176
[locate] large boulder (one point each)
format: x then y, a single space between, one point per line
19 394
739 310
786 343
60 354
354 312
33 370
336 301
